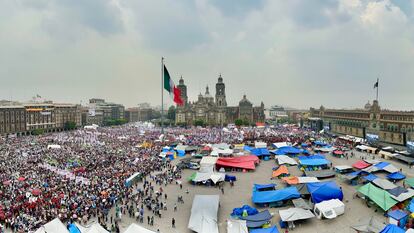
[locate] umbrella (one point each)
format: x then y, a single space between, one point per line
21 179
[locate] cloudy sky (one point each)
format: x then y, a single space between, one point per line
297 53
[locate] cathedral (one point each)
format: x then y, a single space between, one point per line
214 110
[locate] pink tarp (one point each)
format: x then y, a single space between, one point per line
244 162
360 164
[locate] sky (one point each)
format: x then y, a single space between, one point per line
296 53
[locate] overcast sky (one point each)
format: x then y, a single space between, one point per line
297 53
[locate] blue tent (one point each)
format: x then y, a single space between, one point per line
391 228
73 228
265 230
397 214
259 187
260 152
230 178
304 145
257 220
315 156
411 206
370 177
320 143
181 153
289 150
396 176
248 148
275 195
324 191
381 165
314 162
238 212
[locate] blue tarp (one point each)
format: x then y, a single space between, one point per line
396 176
275 195
73 228
289 150
304 145
315 156
391 228
260 151
259 187
230 178
397 191
397 214
411 206
181 153
381 165
324 191
265 230
258 219
238 212
370 177
314 162
320 143
248 148
306 152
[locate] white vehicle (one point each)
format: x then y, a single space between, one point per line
329 209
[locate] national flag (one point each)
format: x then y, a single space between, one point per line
169 85
376 85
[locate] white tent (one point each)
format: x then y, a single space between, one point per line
236 226
284 159
135 228
81 228
280 144
260 144
208 161
54 226
203 217
306 179
293 214
96 228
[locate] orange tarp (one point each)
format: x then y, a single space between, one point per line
281 170
291 180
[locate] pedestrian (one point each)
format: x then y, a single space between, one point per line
175 207
222 190
173 222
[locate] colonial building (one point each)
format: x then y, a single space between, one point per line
139 114
12 119
101 112
395 127
213 110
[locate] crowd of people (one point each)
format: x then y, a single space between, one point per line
84 176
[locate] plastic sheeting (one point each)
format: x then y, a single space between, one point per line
275 196
135 228
236 226
294 214
381 197
258 220
284 159
265 230
324 191
368 225
391 228
203 217
244 162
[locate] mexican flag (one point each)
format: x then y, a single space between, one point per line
169 85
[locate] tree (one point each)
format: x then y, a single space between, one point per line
70 125
38 131
238 122
199 123
171 113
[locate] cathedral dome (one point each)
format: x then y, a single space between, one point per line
245 101
367 106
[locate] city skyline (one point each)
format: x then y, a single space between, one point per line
295 53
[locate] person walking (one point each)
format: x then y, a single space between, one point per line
173 222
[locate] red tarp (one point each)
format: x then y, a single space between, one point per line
360 164
245 162
338 152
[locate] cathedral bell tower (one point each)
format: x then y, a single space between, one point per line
220 93
183 89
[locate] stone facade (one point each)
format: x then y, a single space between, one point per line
396 127
214 110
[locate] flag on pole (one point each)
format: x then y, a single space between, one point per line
376 85
169 85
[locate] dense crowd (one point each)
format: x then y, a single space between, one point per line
84 176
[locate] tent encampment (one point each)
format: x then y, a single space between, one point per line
243 162
54 226
294 214
203 217
323 191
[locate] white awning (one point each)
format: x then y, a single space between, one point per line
203 217
306 179
284 159
135 228
293 214
236 226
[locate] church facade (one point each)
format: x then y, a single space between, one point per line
213 110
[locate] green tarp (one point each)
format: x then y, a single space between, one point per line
381 197
191 178
410 182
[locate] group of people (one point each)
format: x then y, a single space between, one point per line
86 174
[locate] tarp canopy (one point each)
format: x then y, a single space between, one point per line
284 159
96 228
203 217
396 176
302 189
54 226
370 177
236 226
410 182
260 144
288 150
265 230
260 152
135 228
381 197
301 203
384 184
300 180
368 225
397 214
293 214
324 191
391 228
397 191
360 164
320 173
258 219
343 167
244 162
280 144
275 196
261 187
282 170
314 162
403 196
238 212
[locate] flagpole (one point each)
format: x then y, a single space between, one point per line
162 95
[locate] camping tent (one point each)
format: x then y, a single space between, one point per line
265 230
293 214
275 196
203 217
381 197
135 228
324 191
257 220
391 228
368 225
236 226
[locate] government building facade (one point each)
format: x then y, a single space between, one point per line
213 110
396 127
